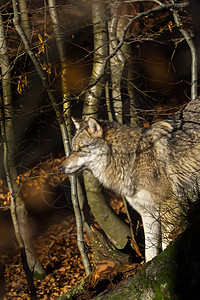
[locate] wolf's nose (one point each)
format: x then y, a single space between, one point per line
61 169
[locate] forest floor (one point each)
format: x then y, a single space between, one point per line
59 254
55 240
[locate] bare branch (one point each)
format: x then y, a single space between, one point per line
123 37
194 63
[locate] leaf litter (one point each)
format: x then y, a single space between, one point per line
56 245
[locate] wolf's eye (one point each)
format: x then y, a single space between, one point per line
83 149
80 149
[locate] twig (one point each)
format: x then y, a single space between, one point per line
122 40
194 63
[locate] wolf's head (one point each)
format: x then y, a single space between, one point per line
89 149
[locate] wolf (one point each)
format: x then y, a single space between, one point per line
146 165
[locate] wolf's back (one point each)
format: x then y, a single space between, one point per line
190 112
184 144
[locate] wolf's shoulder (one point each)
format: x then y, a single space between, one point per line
114 127
115 131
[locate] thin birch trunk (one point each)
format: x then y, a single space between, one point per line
114 228
93 95
117 62
25 18
18 209
108 102
28 266
193 51
64 61
132 97
75 188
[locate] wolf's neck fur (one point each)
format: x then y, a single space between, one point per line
112 170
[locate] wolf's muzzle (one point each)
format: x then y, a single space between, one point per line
61 169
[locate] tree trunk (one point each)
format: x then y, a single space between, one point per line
120 64
93 95
104 215
116 230
67 111
117 63
64 61
24 17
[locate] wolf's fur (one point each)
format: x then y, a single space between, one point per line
146 165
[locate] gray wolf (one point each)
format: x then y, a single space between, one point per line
146 165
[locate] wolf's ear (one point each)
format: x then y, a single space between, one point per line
95 129
76 123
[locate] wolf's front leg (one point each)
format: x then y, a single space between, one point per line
152 233
144 204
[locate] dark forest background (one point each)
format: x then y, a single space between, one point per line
134 62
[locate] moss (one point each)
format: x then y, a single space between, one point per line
39 276
162 275
156 280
